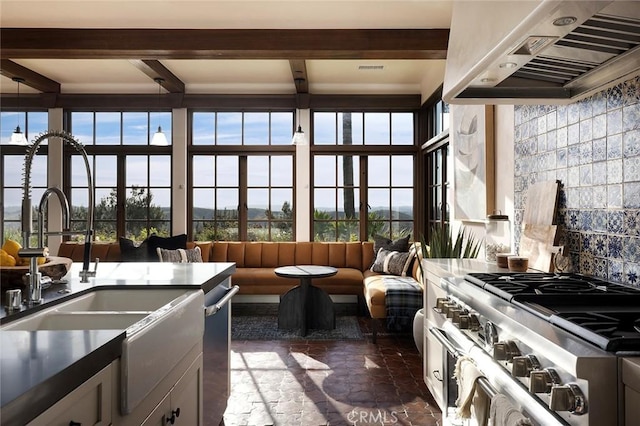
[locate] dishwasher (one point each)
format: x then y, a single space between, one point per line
217 350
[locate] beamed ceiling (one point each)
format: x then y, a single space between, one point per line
67 49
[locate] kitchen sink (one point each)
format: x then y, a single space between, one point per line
161 326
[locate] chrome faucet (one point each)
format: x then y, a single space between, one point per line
34 276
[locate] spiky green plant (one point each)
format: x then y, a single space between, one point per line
443 245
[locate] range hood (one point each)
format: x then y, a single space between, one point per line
539 51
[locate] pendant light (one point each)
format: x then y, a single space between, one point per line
159 138
17 137
298 136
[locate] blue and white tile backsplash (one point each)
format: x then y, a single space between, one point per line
593 148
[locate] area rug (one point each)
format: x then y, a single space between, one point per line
265 327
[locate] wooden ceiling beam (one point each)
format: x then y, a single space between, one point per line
72 43
154 69
31 78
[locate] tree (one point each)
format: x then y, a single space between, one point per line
347 168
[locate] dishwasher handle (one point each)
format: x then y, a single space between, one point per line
213 309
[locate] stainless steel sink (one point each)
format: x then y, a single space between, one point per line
161 326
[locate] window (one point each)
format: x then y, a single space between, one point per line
132 181
12 169
245 193
437 178
369 189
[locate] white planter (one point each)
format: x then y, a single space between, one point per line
418 329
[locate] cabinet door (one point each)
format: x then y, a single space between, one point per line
158 415
433 370
186 396
88 404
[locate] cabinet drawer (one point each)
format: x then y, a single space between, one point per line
88 404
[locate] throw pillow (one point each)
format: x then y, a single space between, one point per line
169 243
391 262
133 252
180 255
401 244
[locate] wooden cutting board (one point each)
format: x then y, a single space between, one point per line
537 243
540 207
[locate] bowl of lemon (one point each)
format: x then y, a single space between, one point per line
13 267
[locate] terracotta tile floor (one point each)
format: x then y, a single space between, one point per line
338 382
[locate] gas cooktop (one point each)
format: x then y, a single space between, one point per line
603 313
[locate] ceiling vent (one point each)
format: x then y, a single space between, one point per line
370 67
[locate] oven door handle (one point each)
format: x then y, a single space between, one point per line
213 309
441 337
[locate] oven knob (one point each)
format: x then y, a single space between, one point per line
543 380
463 321
568 397
440 301
523 365
454 314
474 322
505 351
490 333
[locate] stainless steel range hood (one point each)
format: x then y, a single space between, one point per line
539 51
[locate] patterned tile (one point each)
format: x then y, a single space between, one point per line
599 173
586 109
631 91
614 146
561 116
631 248
585 219
573 113
586 152
599 103
573 219
586 263
573 134
599 126
615 271
542 142
614 97
561 136
631 143
574 241
551 120
615 221
599 221
600 149
573 155
631 117
600 267
631 168
631 195
561 157
631 274
631 222
542 125
614 196
552 140
586 197
614 122
615 247
614 171
585 175
586 130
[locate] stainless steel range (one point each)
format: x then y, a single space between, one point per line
550 342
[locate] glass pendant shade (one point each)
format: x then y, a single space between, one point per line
18 138
159 138
299 137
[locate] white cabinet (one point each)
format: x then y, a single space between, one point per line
181 389
433 359
88 404
182 405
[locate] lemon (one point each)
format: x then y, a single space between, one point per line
12 247
6 259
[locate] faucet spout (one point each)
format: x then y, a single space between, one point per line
27 231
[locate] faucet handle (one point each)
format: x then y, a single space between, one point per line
85 274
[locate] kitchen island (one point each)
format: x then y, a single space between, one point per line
40 367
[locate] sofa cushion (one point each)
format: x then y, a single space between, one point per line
401 244
169 243
180 255
130 251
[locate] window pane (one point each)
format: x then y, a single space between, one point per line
203 170
229 128
136 170
324 167
258 202
402 203
13 169
105 174
256 128
402 169
324 128
38 171
349 210
376 130
282 170
258 171
37 123
226 201
135 128
379 202
355 120
108 128
348 170
281 202
204 130
162 119
281 128
82 127
325 200
160 203
227 172
379 170
203 203
105 203
160 170
401 128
